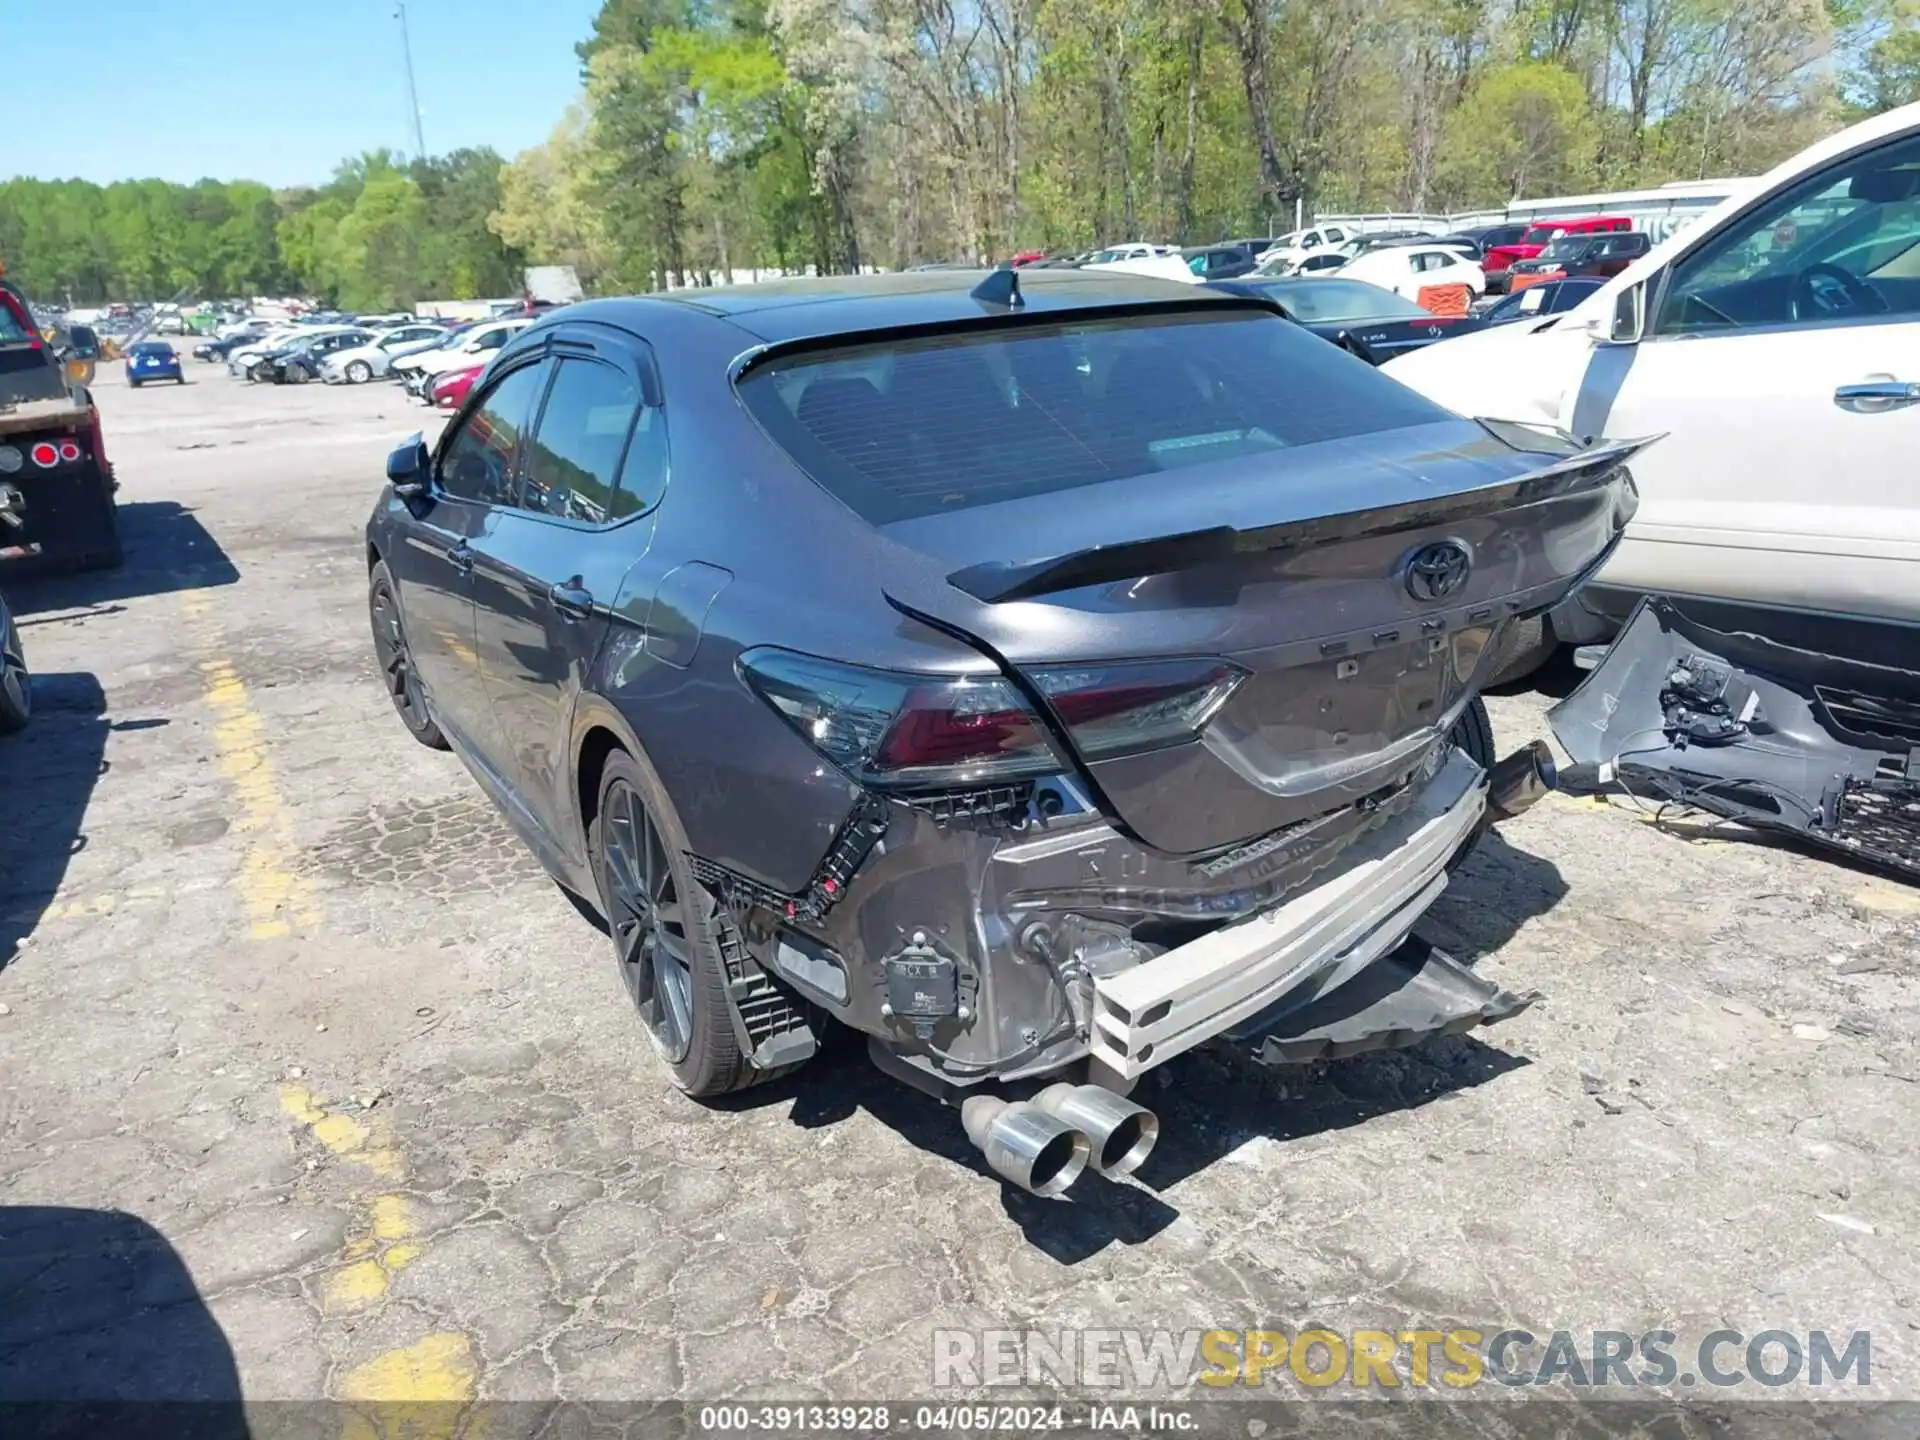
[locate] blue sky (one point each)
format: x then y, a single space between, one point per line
274 90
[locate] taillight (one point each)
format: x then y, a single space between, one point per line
70 452
920 732
45 455
904 731
1113 709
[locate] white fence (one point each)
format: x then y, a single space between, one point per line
1659 211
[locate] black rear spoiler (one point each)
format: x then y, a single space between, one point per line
997 581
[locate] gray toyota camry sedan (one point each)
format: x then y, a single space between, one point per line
1043 673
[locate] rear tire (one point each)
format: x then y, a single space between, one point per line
1473 733
16 686
1527 645
359 372
663 923
396 660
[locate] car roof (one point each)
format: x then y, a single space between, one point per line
821 306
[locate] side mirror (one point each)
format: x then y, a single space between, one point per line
409 467
1626 323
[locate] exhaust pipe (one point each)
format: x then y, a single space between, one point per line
1515 784
1024 1145
1122 1134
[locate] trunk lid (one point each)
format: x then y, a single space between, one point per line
1360 583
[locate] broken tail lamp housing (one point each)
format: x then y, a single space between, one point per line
921 732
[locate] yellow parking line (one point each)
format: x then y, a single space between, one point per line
435 1368
1888 899
384 1239
278 899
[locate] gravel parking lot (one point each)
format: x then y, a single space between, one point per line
277 985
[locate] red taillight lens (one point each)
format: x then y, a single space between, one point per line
918 732
70 452
1113 709
942 726
45 455
903 731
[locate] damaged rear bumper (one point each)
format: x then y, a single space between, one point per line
1304 948
1734 710
975 949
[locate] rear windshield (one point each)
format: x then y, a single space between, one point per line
916 427
1330 299
1541 234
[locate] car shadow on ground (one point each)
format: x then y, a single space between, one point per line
1558 678
1210 1104
47 775
167 550
1496 890
104 1333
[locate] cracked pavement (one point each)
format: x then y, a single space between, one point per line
280 987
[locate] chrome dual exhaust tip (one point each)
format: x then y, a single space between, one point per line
1120 1133
1044 1143
1024 1145
1517 783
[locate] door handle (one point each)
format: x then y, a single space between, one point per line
1870 397
460 557
574 602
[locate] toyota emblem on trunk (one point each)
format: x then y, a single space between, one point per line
1438 570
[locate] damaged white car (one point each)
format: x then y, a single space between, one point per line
1776 346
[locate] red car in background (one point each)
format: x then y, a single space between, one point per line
449 391
1499 258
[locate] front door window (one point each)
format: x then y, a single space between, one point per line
1841 247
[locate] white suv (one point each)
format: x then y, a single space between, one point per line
1775 343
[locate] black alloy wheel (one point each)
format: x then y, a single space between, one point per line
666 928
396 661
650 939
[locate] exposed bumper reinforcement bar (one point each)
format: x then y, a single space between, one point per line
1301 950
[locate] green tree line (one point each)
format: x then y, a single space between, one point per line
716 134
381 234
712 136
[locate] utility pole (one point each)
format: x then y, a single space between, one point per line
413 96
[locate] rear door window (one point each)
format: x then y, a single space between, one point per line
917 427
573 462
